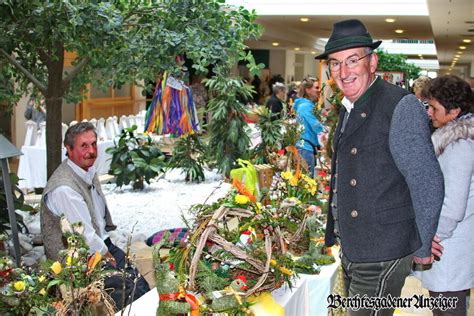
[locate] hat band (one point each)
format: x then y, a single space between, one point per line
356 40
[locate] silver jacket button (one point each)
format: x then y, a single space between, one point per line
363 115
354 151
354 213
353 182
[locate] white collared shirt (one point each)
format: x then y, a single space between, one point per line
64 200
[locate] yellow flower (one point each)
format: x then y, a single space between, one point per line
69 261
285 271
294 181
56 267
287 175
41 278
19 286
241 199
309 180
259 208
294 200
42 292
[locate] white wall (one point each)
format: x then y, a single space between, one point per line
311 66
299 67
277 62
289 65
18 122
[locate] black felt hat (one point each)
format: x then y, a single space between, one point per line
348 34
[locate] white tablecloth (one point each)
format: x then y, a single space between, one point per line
306 298
32 165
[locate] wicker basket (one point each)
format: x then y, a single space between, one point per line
207 231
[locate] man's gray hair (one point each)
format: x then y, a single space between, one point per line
277 87
369 50
76 129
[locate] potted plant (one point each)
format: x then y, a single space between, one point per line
135 158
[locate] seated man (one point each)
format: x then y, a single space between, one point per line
74 191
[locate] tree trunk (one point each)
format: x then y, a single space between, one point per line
54 99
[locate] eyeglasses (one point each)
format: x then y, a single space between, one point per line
351 62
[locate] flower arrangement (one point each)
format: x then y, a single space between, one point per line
329 115
23 291
72 285
246 243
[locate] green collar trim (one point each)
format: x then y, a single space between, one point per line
369 91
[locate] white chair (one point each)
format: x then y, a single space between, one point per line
140 121
100 129
132 120
31 133
109 128
42 135
124 122
64 130
116 126
93 121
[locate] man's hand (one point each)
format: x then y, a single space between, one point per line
424 260
436 247
436 252
110 259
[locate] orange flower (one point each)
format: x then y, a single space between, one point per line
93 261
243 190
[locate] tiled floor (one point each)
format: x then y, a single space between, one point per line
413 287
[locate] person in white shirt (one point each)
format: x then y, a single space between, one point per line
73 191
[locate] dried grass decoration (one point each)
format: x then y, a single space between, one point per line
239 247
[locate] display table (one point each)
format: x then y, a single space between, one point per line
307 297
32 165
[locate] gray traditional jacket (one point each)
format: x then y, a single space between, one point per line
388 190
51 224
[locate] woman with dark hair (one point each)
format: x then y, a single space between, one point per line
308 143
451 107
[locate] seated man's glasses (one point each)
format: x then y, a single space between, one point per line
351 62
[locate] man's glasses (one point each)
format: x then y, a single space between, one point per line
351 62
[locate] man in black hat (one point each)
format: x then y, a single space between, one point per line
386 184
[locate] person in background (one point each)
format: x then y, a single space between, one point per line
386 184
256 82
200 99
74 191
451 108
293 88
308 143
36 111
276 101
419 89
418 85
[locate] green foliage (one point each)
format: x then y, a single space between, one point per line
292 133
189 153
228 138
18 202
329 115
115 42
271 134
397 62
47 289
135 158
